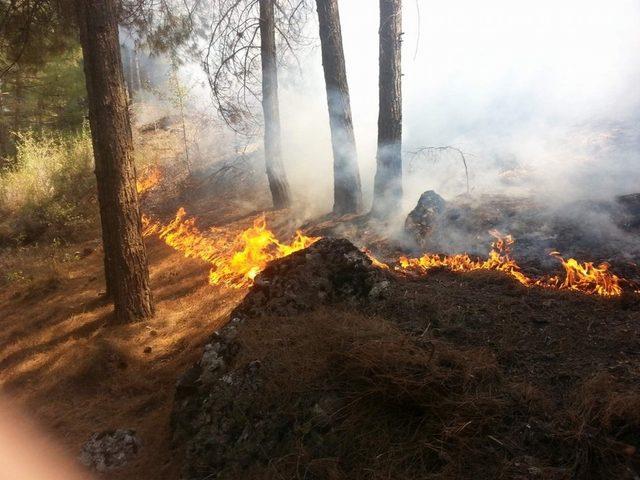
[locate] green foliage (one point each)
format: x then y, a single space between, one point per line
50 191
60 99
31 31
52 95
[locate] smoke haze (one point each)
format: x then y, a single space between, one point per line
542 96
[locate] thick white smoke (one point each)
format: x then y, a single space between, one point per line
543 95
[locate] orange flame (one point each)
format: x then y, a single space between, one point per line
582 277
152 177
235 263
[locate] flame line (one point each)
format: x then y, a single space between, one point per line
582 277
235 263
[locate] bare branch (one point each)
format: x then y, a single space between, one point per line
426 152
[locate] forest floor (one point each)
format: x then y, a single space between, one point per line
549 379
66 365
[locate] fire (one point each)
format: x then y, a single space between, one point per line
152 177
374 261
234 262
582 277
237 259
587 277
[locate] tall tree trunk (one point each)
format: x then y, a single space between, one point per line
126 268
5 138
347 193
126 63
276 175
136 64
387 191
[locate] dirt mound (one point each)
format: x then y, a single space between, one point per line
329 271
430 379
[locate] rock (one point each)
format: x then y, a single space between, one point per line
378 290
211 361
421 220
109 449
218 413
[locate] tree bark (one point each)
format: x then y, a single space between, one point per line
346 176
126 268
276 175
387 190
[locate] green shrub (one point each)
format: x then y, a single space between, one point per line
50 190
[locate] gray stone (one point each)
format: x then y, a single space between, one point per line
109 449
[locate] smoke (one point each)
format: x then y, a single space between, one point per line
542 97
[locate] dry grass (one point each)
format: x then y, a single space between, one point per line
604 426
400 406
50 191
64 363
364 399
397 405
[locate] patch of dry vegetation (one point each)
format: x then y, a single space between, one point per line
385 405
340 394
49 191
71 370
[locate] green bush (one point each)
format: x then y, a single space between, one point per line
49 192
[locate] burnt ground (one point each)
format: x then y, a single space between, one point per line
332 368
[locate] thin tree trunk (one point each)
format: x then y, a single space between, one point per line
347 192
135 81
180 96
138 75
126 63
187 160
126 268
276 175
19 100
387 190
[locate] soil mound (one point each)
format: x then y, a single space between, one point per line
333 369
329 271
